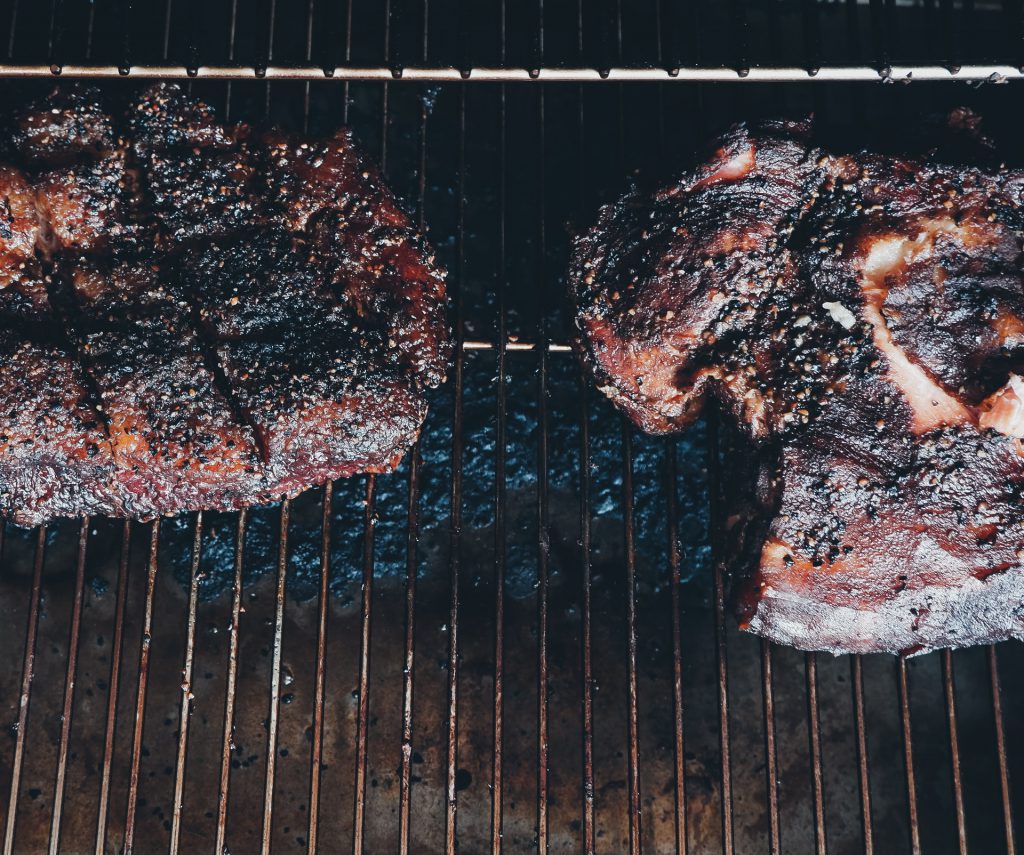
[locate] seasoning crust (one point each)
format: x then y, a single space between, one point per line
201 315
859 319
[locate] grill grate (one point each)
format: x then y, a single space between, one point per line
661 40
519 680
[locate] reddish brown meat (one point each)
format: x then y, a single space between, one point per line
379 267
88 207
176 336
19 225
861 319
54 450
332 407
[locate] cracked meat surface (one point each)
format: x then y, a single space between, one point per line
860 320
196 315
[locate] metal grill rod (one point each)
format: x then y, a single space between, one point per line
316 756
675 561
411 569
140 694
185 711
589 830
230 689
55 34
348 56
863 776
880 29
316 752
145 642
721 656
275 679
455 532
954 749
633 745
672 525
232 683
908 755
14 24
770 748
1004 775
498 733
543 535
412 536
994 73
116 655
228 732
71 676
814 737
635 805
586 653
363 705
232 32
27 675
366 610
516 346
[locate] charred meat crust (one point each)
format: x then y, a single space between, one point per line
860 318
54 450
196 315
683 272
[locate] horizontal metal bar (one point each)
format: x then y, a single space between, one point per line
515 346
788 74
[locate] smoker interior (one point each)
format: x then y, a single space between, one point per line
517 641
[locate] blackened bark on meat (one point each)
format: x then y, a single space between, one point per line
91 206
255 286
199 197
329 406
20 226
69 123
175 439
54 450
861 317
179 334
380 269
164 117
685 274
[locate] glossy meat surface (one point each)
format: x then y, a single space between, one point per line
88 207
54 450
256 286
329 407
176 336
860 320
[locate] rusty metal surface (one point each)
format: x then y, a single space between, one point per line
337 793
